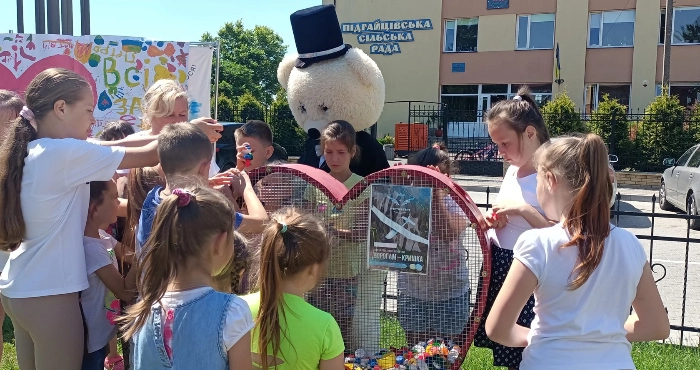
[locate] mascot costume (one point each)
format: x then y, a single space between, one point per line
329 80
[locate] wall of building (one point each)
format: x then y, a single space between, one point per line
646 40
411 74
571 30
475 8
498 67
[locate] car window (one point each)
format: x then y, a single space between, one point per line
684 158
694 160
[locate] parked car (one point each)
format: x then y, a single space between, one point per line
680 185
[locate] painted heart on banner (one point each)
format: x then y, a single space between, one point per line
19 83
408 215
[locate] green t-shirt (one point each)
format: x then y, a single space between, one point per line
309 335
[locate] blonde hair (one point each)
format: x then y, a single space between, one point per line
159 100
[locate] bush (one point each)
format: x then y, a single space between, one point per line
284 127
561 117
665 132
249 108
225 109
386 140
610 121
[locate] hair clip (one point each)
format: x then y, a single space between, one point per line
183 197
518 98
284 227
27 114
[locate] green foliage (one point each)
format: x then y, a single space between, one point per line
249 60
386 140
561 117
667 131
284 127
249 108
226 111
610 121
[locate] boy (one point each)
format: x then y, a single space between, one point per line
258 135
185 151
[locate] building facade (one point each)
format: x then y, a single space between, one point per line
470 54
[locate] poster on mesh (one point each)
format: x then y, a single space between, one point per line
199 65
119 69
399 228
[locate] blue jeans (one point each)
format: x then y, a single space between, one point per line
95 360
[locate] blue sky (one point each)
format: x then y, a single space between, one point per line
169 20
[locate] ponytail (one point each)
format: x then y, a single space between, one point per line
13 151
290 244
582 163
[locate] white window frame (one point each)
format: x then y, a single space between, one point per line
454 37
529 22
673 26
602 31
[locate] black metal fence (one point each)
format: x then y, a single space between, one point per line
673 245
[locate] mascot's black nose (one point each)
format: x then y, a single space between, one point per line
314 133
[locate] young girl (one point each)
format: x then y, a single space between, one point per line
517 127
290 333
180 321
437 304
231 280
42 221
585 272
99 302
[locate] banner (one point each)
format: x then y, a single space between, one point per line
119 69
199 65
399 228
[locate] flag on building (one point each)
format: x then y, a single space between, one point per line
557 66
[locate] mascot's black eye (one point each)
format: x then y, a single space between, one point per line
302 108
324 108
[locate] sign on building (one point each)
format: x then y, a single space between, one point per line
385 37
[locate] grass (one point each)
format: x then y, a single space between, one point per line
647 356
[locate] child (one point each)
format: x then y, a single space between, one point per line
166 103
585 272
231 279
181 322
290 333
116 130
42 221
258 136
437 304
517 127
98 302
185 151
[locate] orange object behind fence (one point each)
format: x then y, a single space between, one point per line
410 137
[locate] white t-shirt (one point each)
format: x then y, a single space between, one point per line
584 328
55 197
238 322
213 169
515 190
97 301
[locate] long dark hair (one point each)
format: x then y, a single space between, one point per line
43 92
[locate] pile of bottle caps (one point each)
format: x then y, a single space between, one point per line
434 354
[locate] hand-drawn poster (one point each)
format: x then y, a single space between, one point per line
119 69
199 65
399 228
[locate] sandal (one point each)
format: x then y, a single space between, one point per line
114 363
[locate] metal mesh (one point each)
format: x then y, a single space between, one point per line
418 281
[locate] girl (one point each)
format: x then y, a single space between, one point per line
584 271
180 321
42 221
232 278
98 301
290 333
426 299
351 291
517 127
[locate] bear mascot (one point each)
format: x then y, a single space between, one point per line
329 80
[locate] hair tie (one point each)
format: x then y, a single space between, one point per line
518 98
183 197
27 114
284 227
436 146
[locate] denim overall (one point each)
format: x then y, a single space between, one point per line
197 336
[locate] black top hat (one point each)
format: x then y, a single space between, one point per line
317 35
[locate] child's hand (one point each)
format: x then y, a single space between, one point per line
226 191
508 209
210 127
220 179
237 183
493 221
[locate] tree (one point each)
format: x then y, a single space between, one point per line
249 60
611 123
284 127
561 117
225 109
249 108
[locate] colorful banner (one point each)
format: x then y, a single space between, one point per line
199 64
497 4
119 69
399 228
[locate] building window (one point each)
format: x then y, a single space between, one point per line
662 27
461 34
611 29
536 31
686 26
595 94
688 95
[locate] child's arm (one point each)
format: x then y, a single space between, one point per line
123 207
650 321
131 142
254 221
114 281
123 255
332 364
239 357
528 212
501 324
